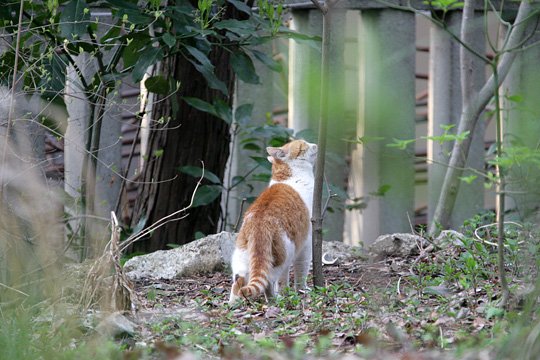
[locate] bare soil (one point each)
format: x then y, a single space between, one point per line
397 317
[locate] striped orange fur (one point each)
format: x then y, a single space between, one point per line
276 228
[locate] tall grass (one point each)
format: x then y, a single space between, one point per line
38 316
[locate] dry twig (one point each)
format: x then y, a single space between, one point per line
106 271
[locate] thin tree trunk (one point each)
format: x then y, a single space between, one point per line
465 56
317 219
469 118
500 200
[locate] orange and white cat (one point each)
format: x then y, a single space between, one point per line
276 231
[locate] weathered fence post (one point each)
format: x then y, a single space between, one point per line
304 101
522 129
304 72
387 112
444 109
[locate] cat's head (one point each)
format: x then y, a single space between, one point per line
297 151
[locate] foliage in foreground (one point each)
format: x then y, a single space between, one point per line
443 304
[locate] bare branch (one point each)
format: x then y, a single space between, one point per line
322 7
136 237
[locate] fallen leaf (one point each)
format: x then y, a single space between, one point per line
272 312
288 341
479 323
259 336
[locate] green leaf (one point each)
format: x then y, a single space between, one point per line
203 65
54 81
366 139
306 134
211 78
200 56
123 4
382 190
401 144
240 6
251 146
439 290
73 19
157 84
494 312
149 56
169 39
199 235
236 180
338 191
468 179
444 5
9 11
267 60
135 16
240 27
206 194
132 52
242 114
197 173
77 47
243 67
223 111
515 98
113 33
219 109
201 105
262 161
312 41
140 225
262 177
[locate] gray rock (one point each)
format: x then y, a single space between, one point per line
210 254
115 325
158 315
205 255
398 245
451 237
335 250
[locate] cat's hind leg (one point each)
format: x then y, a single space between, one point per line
240 270
302 263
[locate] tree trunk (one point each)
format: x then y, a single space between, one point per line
317 219
191 136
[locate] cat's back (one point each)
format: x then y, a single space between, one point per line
278 200
279 208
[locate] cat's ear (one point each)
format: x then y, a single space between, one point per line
275 153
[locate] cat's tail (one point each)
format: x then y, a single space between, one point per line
260 249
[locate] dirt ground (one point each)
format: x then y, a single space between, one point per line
361 276
397 322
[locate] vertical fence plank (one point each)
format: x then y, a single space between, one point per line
304 102
522 130
444 109
387 112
